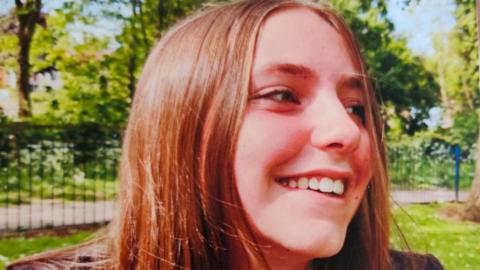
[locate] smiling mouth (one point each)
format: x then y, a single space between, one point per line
325 185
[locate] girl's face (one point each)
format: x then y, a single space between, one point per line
303 156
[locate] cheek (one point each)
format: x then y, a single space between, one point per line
362 159
266 141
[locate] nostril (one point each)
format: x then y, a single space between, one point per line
335 145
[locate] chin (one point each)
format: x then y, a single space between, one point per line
307 243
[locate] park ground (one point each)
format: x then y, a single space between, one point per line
428 228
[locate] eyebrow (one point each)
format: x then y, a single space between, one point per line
289 69
352 80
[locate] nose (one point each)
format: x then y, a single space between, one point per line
333 129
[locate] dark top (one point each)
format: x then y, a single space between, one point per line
406 260
399 261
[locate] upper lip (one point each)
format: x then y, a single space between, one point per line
332 173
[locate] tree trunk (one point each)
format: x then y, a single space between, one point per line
132 66
161 17
142 24
28 15
472 207
23 83
132 58
447 116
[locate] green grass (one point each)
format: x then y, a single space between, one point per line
17 247
456 244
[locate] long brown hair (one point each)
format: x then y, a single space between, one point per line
178 204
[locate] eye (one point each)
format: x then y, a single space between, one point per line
279 95
357 110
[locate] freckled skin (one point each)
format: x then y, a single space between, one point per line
280 137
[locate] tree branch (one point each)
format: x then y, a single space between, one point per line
142 23
38 5
478 32
18 3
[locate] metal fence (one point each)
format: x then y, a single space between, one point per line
54 176
430 171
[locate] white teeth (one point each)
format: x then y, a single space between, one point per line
303 183
313 183
325 185
338 187
292 183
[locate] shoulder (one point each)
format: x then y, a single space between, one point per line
409 260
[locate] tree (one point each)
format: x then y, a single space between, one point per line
457 77
408 90
146 23
472 206
28 16
8 40
97 75
98 78
89 91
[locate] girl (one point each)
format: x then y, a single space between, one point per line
254 142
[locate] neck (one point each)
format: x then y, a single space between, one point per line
282 259
276 258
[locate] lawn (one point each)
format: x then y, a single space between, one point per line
456 244
13 248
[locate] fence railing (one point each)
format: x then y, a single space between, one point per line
66 175
57 176
427 167
423 172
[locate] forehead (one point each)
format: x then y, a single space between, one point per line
301 37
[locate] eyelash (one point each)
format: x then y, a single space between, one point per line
358 110
291 98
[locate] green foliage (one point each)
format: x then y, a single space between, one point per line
88 93
61 163
426 161
464 131
8 46
466 45
98 72
455 65
454 243
400 78
99 78
3 118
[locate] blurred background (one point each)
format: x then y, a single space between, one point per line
68 70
